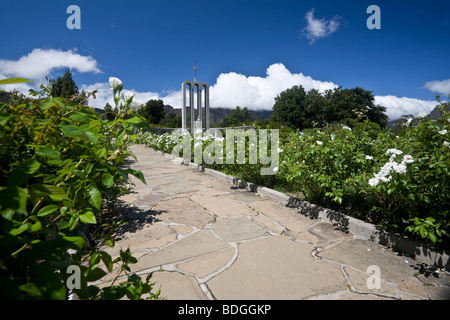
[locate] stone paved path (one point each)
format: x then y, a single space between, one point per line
207 240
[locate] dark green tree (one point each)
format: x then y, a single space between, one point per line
171 120
237 117
153 111
350 106
299 109
109 113
64 86
290 107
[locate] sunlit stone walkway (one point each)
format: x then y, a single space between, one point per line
205 239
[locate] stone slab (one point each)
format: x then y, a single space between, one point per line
200 243
361 254
276 268
183 211
287 217
176 286
238 229
222 207
207 264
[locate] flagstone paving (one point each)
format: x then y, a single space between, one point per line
204 239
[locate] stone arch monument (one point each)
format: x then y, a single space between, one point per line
196 109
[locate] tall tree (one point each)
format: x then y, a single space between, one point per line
237 117
299 109
64 86
153 111
290 107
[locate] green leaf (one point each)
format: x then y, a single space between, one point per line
16 231
36 227
14 81
432 237
54 192
107 260
23 172
88 217
77 241
108 179
72 131
48 153
139 175
91 136
80 117
101 153
95 274
13 198
95 197
31 289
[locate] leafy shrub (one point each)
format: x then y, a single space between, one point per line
60 165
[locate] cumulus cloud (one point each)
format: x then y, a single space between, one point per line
397 107
319 28
40 62
233 89
441 87
104 94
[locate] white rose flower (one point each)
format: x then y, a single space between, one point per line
115 82
374 182
443 132
408 159
369 158
319 142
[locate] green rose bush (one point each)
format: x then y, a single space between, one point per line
62 167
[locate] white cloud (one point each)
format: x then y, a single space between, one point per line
397 107
441 87
105 94
40 62
319 28
233 89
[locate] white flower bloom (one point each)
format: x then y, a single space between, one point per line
446 143
369 158
386 178
332 137
443 132
279 150
127 97
136 105
374 182
275 169
408 159
319 142
346 128
393 151
400 168
115 82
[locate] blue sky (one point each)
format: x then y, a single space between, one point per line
247 50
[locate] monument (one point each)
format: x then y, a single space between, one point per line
197 90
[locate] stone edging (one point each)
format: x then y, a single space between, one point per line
364 230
